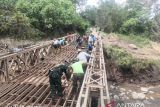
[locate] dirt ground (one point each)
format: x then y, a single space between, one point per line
147 52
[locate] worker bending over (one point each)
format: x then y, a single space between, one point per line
56 43
78 74
55 75
84 57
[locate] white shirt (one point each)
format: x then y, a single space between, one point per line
82 56
56 42
15 50
90 39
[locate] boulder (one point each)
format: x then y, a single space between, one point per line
147 102
133 46
112 87
134 95
116 97
121 94
151 92
122 89
144 89
139 96
152 98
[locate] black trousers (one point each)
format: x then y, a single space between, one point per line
55 86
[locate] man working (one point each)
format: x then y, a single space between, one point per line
90 39
79 42
61 42
55 75
94 38
56 44
90 47
78 74
83 56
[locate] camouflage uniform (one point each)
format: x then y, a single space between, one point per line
55 79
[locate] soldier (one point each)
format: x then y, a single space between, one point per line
55 75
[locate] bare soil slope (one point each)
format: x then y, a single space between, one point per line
151 51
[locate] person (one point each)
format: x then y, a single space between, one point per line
82 56
56 44
15 50
61 42
79 42
55 75
85 38
90 47
78 74
90 39
94 38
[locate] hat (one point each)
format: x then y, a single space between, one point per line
79 50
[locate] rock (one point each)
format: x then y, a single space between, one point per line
116 97
152 98
147 102
145 92
134 95
133 46
140 96
144 89
116 88
112 87
122 89
150 87
131 80
129 91
127 98
110 94
138 86
151 92
121 94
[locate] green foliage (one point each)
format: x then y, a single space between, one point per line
7 5
125 61
139 40
16 24
130 26
34 17
132 18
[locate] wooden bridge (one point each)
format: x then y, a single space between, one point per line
24 80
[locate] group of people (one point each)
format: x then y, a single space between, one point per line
74 71
90 40
57 43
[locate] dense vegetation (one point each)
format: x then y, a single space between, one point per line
124 60
136 17
37 18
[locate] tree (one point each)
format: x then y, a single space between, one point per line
26 17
